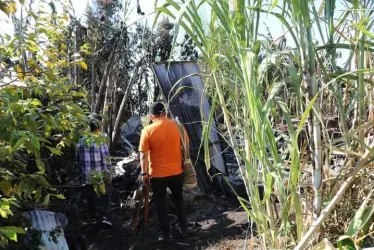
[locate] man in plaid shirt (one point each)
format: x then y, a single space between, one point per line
92 157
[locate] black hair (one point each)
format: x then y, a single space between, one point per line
94 125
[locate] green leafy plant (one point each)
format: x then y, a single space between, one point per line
42 114
98 180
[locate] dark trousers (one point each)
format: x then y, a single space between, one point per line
98 206
159 186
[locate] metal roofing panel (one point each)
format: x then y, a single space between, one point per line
187 102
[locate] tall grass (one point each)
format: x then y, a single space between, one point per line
251 102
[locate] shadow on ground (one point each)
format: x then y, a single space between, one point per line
216 222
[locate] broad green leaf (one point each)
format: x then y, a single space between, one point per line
5 152
46 199
21 187
6 187
3 213
38 194
35 142
20 72
346 243
36 102
12 7
54 151
40 164
58 196
4 7
20 142
361 218
83 65
9 234
17 230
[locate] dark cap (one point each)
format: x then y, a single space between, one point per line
156 108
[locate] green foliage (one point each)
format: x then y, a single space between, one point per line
346 243
259 87
41 112
9 7
361 221
98 180
9 233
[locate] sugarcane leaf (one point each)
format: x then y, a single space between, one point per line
275 88
283 21
360 220
299 217
325 244
268 186
345 242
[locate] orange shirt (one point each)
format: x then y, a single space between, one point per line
162 140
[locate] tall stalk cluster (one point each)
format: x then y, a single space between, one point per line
250 82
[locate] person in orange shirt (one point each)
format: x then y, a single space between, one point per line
161 163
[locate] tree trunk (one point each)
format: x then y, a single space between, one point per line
140 92
105 78
93 84
106 106
116 130
115 104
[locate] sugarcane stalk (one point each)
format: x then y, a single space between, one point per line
338 196
310 78
361 87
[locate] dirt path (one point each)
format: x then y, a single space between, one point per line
216 222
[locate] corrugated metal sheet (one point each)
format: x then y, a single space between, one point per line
47 222
186 101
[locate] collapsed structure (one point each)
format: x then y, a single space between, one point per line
183 90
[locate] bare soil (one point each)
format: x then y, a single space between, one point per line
215 222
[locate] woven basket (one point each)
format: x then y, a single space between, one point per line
190 180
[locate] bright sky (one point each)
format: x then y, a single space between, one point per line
148 8
80 7
274 25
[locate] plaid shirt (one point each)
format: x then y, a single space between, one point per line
92 158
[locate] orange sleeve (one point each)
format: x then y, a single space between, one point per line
144 141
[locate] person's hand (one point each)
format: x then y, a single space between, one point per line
145 179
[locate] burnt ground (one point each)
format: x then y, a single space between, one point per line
215 222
